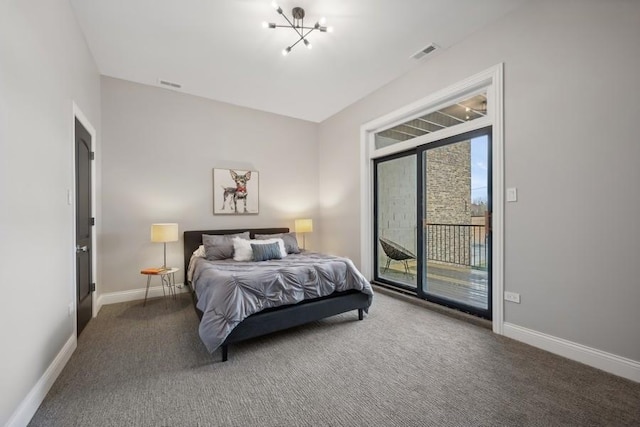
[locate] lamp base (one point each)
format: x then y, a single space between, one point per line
164 264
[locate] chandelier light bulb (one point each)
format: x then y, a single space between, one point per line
329 29
322 21
265 24
307 44
275 5
286 51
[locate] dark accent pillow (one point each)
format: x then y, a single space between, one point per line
220 246
289 239
265 252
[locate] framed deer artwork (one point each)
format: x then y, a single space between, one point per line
235 192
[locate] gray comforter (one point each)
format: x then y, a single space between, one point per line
230 291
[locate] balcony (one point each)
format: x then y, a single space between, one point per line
456 264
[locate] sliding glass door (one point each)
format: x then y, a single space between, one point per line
433 223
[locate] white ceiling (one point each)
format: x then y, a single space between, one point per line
217 49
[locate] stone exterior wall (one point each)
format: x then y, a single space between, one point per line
448 181
448 178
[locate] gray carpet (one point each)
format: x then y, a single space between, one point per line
403 365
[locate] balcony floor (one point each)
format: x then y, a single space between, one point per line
460 284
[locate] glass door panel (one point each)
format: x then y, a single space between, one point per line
455 234
396 219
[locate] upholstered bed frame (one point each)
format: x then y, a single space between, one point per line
277 318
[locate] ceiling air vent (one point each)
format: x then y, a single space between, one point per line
424 51
169 84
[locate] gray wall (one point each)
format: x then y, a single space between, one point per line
159 148
571 147
44 65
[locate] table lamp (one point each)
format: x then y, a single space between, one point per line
163 233
303 226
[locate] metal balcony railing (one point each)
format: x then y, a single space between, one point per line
461 244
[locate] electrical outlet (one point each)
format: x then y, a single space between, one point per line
512 296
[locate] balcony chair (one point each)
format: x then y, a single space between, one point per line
395 252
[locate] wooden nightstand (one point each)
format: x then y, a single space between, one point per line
167 278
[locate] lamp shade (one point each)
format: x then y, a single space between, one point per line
304 225
167 232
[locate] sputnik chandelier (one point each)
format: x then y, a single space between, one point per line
297 24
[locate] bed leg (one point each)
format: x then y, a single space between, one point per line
225 352
360 314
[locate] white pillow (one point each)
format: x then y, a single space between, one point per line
200 252
242 248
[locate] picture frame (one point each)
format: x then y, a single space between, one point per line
236 192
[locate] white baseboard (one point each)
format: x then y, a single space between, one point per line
28 407
608 362
135 294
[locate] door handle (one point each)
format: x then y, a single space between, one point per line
81 249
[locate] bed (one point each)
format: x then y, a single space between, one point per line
218 329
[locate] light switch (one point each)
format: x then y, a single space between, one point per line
512 194
69 198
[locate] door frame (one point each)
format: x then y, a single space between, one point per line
491 80
71 200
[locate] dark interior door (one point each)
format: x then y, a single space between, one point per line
84 221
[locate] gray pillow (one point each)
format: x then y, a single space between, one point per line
220 246
266 252
290 241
